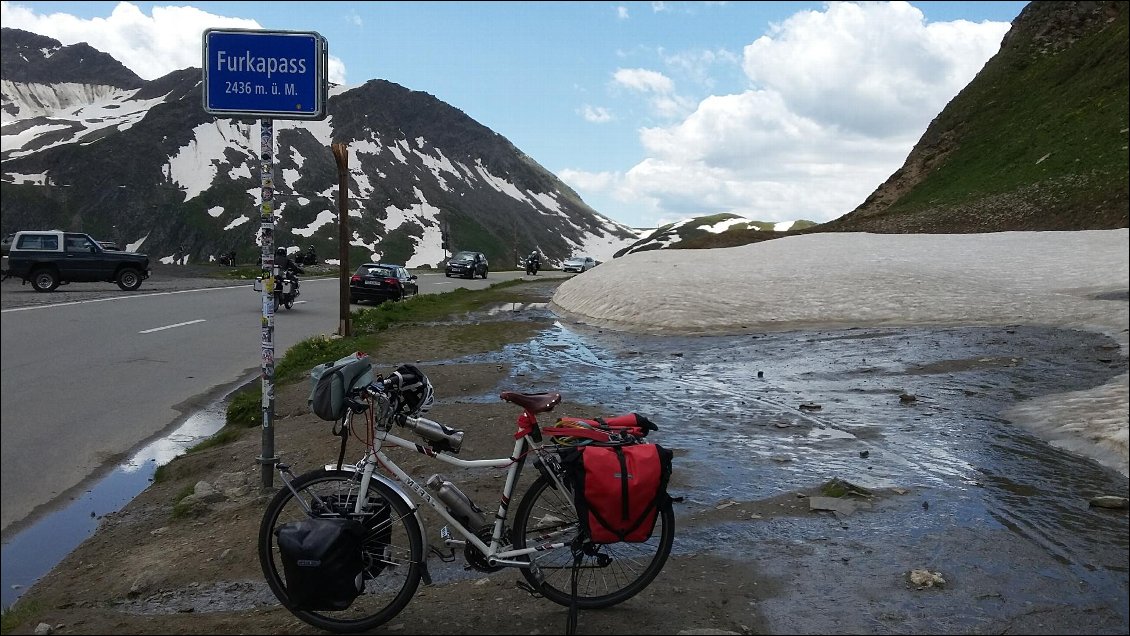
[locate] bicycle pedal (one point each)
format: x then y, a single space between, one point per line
448 540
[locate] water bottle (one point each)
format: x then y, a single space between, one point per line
443 438
458 504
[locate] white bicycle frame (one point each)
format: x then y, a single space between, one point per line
375 456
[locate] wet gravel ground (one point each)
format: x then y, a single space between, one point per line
912 415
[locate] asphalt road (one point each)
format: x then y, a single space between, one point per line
91 373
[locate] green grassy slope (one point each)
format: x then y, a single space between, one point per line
1037 141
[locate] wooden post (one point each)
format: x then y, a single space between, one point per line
341 155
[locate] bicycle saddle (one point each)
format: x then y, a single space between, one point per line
533 402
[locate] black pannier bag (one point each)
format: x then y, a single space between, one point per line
322 561
618 489
376 521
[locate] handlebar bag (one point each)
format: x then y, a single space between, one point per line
322 561
331 381
617 490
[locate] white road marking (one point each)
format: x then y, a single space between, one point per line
149 295
179 324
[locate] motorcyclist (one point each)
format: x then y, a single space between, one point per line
533 262
285 263
286 269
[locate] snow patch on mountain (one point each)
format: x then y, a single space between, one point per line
196 165
84 109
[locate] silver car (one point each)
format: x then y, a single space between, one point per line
579 264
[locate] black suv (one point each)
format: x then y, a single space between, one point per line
51 258
467 265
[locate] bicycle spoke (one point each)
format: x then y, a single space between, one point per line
607 574
392 551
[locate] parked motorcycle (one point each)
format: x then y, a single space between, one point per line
309 257
533 263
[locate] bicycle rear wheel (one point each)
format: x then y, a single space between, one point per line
608 574
393 547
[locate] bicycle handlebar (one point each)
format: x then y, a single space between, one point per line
393 383
398 380
390 389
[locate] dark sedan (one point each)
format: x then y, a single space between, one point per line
380 281
467 265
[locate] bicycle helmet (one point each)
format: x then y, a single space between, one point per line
414 388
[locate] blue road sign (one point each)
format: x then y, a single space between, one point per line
266 74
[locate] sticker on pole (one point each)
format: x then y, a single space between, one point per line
265 74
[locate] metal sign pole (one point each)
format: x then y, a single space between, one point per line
242 78
267 224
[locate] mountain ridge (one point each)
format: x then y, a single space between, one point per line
188 182
1036 141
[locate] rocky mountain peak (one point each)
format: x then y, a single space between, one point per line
32 58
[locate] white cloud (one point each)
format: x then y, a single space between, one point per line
660 88
150 45
643 80
590 180
700 65
671 106
622 12
836 100
596 114
875 68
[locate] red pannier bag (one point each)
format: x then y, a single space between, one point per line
618 489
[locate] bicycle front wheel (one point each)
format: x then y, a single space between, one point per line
608 573
392 548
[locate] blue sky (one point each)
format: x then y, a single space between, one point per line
651 111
